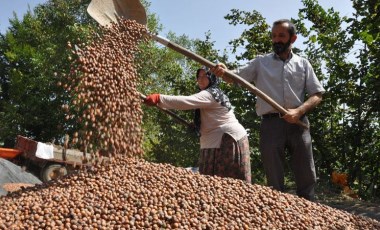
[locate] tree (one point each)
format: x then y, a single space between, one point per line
32 52
164 71
347 46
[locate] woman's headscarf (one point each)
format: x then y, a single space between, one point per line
215 91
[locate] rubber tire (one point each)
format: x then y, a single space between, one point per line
52 172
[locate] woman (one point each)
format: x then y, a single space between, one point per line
224 142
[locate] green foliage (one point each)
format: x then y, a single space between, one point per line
347 123
167 72
32 50
255 40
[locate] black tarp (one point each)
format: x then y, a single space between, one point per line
12 173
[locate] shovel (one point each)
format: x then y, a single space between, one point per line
106 12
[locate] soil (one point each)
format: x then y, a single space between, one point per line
335 197
356 206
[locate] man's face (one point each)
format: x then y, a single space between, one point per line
281 39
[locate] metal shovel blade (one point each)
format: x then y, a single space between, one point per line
107 11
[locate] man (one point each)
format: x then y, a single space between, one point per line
286 78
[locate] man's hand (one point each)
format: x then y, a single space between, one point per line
219 70
292 116
152 99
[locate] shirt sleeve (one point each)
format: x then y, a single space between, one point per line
249 71
200 100
313 85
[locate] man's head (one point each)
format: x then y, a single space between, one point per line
283 35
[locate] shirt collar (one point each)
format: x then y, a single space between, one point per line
275 56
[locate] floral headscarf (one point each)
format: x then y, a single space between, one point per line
217 94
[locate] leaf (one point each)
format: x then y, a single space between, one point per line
366 37
313 38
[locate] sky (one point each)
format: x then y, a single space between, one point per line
195 17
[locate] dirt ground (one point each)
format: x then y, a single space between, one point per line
353 206
334 196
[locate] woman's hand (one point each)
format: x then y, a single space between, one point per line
152 99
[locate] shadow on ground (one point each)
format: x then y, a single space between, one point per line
354 206
334 197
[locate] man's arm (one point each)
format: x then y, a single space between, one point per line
219 71
294 115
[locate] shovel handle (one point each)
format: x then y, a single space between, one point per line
178 118
227 73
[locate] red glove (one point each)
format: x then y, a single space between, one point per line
152 99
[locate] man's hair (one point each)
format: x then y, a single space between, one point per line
291 27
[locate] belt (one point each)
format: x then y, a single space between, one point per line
271 115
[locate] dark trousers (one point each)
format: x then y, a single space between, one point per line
276 135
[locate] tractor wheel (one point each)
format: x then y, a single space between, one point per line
52 172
